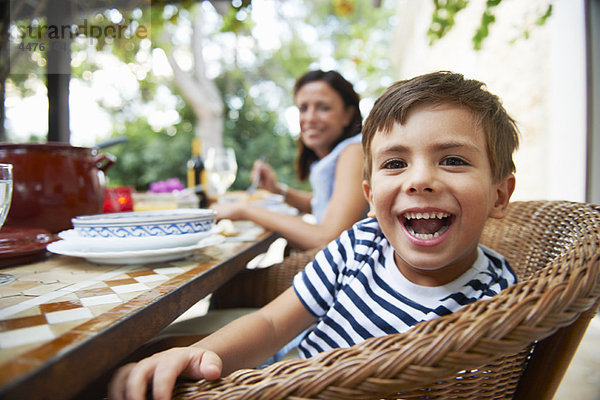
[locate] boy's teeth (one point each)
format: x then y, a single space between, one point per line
425 215
427 225
427 235
423 235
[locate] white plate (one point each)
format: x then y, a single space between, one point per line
272 202
280 208
134 243
67 248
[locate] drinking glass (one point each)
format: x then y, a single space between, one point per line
221 168
6 184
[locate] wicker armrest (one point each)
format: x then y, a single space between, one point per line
478 352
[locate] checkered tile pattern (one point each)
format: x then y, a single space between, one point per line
41 306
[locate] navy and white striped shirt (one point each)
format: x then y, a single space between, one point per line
356 290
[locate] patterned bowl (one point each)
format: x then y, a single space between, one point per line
179 221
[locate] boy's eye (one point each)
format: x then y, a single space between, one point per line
394 164
454 161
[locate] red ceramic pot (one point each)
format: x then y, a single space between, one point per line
53 183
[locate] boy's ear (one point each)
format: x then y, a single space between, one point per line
369 196
504 190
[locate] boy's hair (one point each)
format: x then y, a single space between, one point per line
394 105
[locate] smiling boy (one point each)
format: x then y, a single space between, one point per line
436 173
438 163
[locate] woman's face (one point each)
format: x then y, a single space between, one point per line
323 116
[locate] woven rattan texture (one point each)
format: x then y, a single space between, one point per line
479 352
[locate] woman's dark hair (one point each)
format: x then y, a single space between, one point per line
351 99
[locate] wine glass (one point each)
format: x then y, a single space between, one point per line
6 185
221 168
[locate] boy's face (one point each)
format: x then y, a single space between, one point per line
431 190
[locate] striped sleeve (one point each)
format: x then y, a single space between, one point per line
318 284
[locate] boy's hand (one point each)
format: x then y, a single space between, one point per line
131 381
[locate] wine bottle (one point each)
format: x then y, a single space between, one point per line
196 174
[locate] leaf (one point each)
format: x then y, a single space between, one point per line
544 17
487 19
443 20
443 16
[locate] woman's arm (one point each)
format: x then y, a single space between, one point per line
294 229
297 198
346 207
267 179
347 204
245 342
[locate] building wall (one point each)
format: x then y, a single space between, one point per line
541 81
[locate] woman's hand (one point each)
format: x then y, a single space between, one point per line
267 178
233 210
131 381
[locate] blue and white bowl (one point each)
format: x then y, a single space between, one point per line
138 224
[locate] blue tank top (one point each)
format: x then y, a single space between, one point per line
322 175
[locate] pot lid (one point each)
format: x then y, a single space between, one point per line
48 146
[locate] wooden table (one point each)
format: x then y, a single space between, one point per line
65 322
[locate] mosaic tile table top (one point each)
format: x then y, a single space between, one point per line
58 303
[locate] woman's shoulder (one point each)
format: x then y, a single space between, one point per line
356 139
351 150
344 144
347 149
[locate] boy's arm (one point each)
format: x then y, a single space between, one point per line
253 338
244 343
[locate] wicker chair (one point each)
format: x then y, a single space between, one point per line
515 345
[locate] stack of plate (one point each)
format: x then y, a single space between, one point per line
270 201
139 236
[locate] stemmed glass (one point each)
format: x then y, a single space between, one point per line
6 185
221 168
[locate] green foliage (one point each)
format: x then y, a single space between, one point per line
351 36
358 35
149 156
253 131
544 17
487 19
540 21
444 14
236 20
253 125
443 17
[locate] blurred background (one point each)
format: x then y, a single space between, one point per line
155 74
536 55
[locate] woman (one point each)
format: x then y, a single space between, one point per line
329 155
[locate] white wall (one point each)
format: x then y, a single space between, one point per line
567 102
541 81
